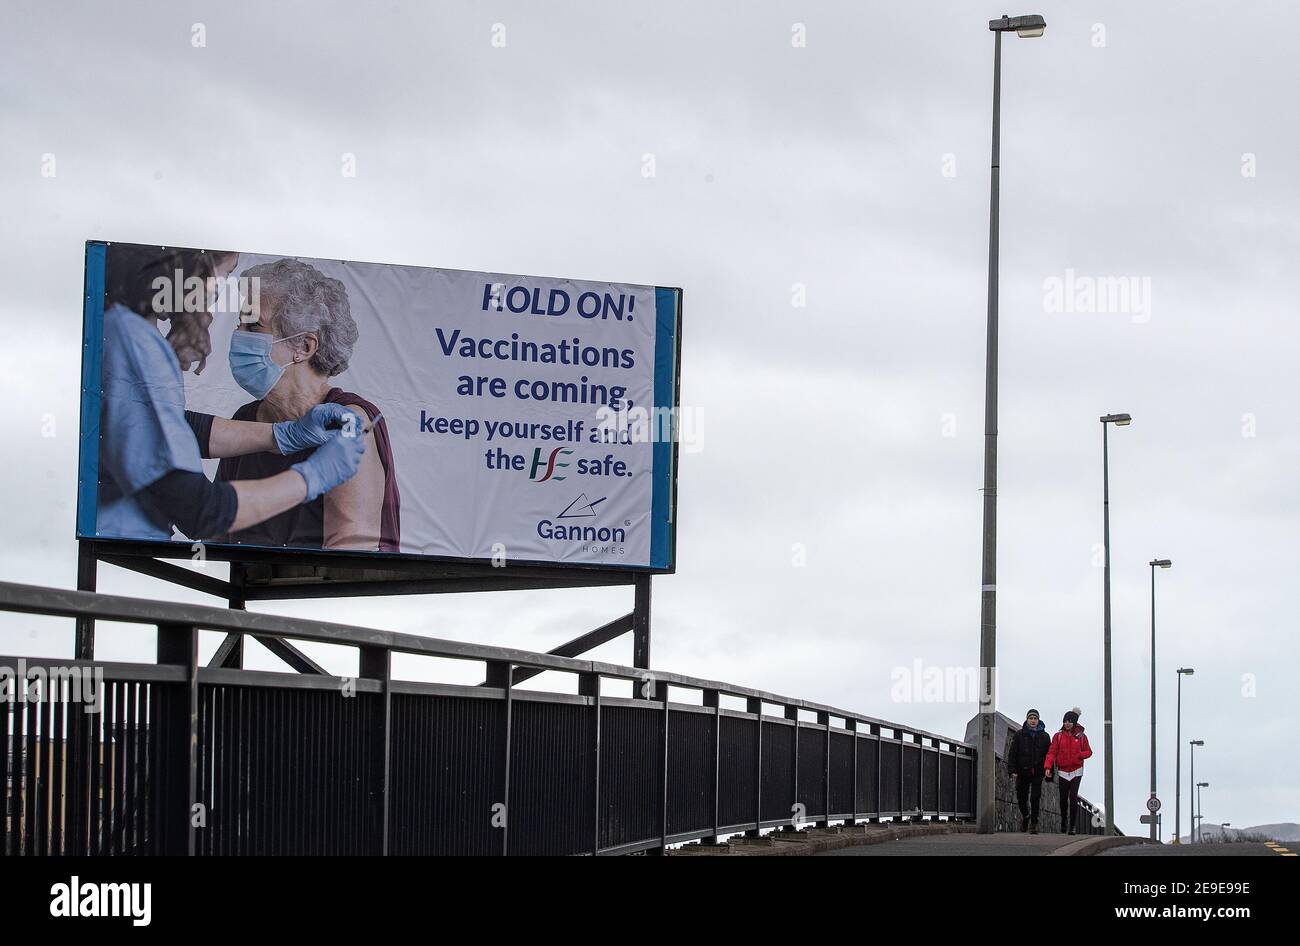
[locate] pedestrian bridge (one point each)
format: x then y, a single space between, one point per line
187 759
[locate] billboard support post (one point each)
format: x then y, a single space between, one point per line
641 628
87 574
234 658
79 736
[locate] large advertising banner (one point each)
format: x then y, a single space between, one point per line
286 403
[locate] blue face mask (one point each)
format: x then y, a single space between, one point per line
251 364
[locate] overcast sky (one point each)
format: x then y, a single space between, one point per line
1152 141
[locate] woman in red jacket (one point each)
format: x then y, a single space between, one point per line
1069 749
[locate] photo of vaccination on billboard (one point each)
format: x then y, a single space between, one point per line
288 403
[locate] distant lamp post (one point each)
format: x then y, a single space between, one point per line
986 773
1200 810
1178 756
1119 420
1191 831
1155 563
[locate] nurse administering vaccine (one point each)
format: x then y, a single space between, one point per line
150 473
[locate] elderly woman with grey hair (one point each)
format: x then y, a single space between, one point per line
302 335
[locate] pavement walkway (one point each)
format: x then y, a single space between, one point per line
936 838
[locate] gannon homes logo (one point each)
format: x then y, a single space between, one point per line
568 527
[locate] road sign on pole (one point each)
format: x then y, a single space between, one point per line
1153 805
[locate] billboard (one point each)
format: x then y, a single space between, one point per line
294 404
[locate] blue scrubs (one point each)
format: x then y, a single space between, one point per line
143 431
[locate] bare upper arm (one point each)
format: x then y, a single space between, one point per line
353 509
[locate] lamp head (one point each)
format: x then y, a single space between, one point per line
1025 27
1119 420
1161 562
1186 671
1196 742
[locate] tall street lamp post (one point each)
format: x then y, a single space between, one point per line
986 775
1156 563
1119 420
1191 828
1178 755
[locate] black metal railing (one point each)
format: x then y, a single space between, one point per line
188 759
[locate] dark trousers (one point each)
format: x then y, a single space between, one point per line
1029 790
1069 789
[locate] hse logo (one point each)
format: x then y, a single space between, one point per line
548 466
552 464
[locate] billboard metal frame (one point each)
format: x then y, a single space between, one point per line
331 580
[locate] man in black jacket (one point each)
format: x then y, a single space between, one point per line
1026 752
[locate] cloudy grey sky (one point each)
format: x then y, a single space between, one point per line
1148 141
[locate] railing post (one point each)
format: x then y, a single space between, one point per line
756 707
880 761
920 777
499 675
825 720
589 685
938 799
661 692
956 765
711 698
852 726
178 644
792 712
902 772
376 663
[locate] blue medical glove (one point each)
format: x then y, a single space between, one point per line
310 430
334 462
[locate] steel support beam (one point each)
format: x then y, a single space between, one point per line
434 586
155 568
580 645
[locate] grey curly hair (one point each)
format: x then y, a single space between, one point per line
303 299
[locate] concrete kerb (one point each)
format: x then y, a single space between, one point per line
815 840
1095 844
